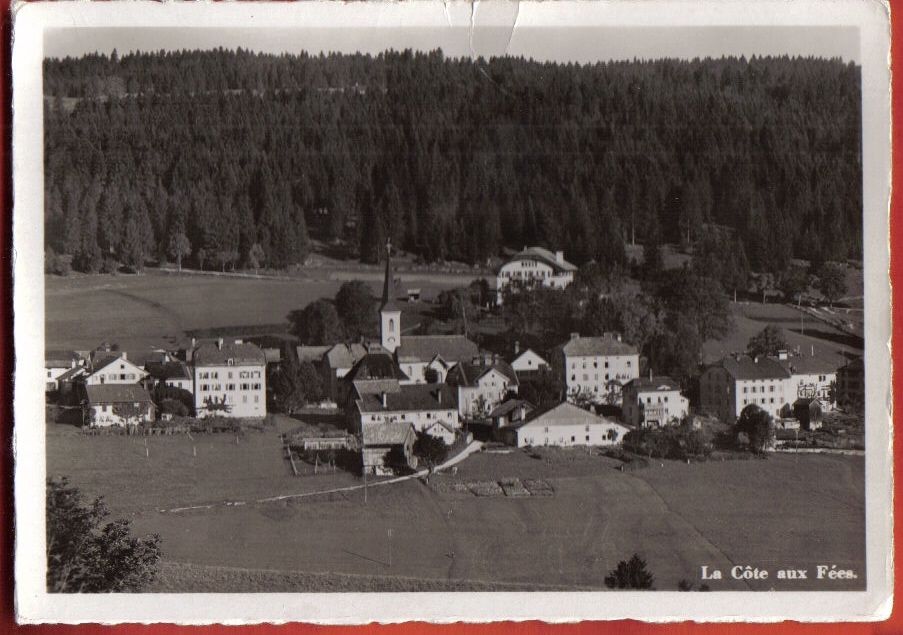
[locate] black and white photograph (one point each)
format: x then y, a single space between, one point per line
451 311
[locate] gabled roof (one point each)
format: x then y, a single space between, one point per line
441 424
411 398
529 353
387 433
60 359
376 366
607 344
112 359
745 368
117 393
563 414
210 354
854 366
467 375
311 353
809 365
168 370
424 348
509 406
72 373
546 256
345 355
375 386
660 383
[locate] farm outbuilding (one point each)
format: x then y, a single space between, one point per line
564 425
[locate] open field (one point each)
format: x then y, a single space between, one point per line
154 308
679 517
800 329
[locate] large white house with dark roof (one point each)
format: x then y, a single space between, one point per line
116 405
596 367
115 368
535 265
229 380
727 387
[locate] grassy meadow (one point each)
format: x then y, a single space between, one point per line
677 516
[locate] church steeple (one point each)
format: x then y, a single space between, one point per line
389 310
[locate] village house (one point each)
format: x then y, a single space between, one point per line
811 376
116 405
596 368
482 385
380 441
229 379
851 384
57 363
510 412
653 401
728 386
528 364
420 405
173 373
333 363
564 425
532 266
115 368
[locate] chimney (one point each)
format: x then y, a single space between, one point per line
559 256
385 399
125 355
219 344
650 374
813 350
516 347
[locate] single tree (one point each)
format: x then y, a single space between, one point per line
832 281
179 247
630 574
768 341
356 305
255 257
318 323
793 282
430 450
756 424
86 556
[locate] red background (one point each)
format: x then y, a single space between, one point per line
7 609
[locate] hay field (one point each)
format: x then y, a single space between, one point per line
786 511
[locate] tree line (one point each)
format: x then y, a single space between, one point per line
232 158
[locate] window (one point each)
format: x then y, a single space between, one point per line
606 364
230 386
745 390
545 429
628 364
230 374
245 386
256 399
573 439
587 437
230 362
585 377
244 374
666 398
244 399
255 386
218 387
587 428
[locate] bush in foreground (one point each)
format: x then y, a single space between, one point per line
85 557
630 574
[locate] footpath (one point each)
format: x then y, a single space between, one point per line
473 446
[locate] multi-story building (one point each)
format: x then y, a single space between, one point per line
229 380
811 376
535 265
727 387
115 368
596 368
851 384
564 425
655 401
482 386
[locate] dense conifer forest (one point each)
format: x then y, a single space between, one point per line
231 158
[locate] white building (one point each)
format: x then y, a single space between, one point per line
229 380
116 405
529 363
421 405
727 387
811 376
57 364
596 368
482 386
565 425
655 401
535 265
115 369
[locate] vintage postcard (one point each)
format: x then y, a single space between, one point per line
447 311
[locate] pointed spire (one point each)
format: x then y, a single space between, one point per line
389 294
